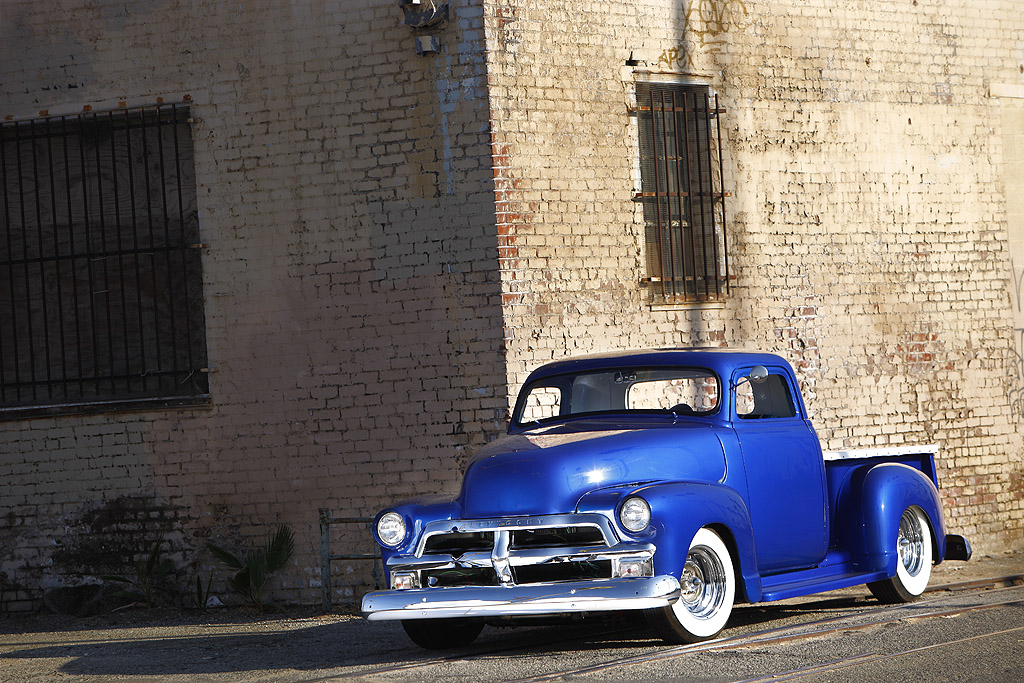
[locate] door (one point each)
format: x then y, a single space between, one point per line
785 473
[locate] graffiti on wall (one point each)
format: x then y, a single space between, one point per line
1015 374
706 23
1015 355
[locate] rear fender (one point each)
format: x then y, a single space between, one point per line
879 496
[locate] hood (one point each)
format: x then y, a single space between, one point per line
546 471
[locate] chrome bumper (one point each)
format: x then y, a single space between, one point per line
520 600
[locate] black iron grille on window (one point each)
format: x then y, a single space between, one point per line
681 191
100 278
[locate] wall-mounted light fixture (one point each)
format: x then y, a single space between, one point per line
426 45
421 14
424 13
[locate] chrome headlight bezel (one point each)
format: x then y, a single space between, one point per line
635 514
391 529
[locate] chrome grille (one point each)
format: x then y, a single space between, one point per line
557 537
458 543
517 550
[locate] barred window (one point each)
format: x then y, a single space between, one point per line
101 301
681 191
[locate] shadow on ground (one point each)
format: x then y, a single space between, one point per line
132 647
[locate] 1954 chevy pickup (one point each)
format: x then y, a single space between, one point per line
677 482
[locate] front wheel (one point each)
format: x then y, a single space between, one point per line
707 592
914 566
441 634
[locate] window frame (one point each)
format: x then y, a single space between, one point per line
742 380
686 246
100 257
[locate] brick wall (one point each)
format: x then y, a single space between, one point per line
396 240
346 197
867 228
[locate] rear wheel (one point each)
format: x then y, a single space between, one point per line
441 634
914 566
707 592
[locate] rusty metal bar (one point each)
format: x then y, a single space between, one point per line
152 254
183 245
668 201
711 191
54 211
689 193
88 246
679 197
120 256
167 243
24 253
657 189
721 187
42 270
10 273
700 192
73 256
136 258
101 212
678 109
326 557
649 195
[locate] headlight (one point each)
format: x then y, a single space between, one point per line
635 514
391 528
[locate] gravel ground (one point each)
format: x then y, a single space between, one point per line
240 645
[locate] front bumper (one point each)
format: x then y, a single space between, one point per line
593 595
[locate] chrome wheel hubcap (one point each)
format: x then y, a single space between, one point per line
910 544
703 583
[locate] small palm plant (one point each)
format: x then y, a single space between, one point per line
253 571
150 577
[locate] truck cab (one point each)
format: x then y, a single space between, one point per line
677 482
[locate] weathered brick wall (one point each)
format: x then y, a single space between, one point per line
396 240
352 299
867 229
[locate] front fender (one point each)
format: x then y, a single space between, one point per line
882 493
678 511
417 512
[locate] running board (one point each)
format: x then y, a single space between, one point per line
817 580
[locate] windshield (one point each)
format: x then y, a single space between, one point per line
682 391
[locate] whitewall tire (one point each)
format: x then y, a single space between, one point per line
707 593
914 551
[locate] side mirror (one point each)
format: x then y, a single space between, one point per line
758 374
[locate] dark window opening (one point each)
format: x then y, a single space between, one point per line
101 302
681 191
767 399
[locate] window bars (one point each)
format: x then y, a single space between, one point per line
681 192
100 277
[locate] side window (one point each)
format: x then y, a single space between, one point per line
766 399
542 403
745 399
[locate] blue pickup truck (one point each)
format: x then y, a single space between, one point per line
677 482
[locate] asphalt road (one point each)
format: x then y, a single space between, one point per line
973 633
